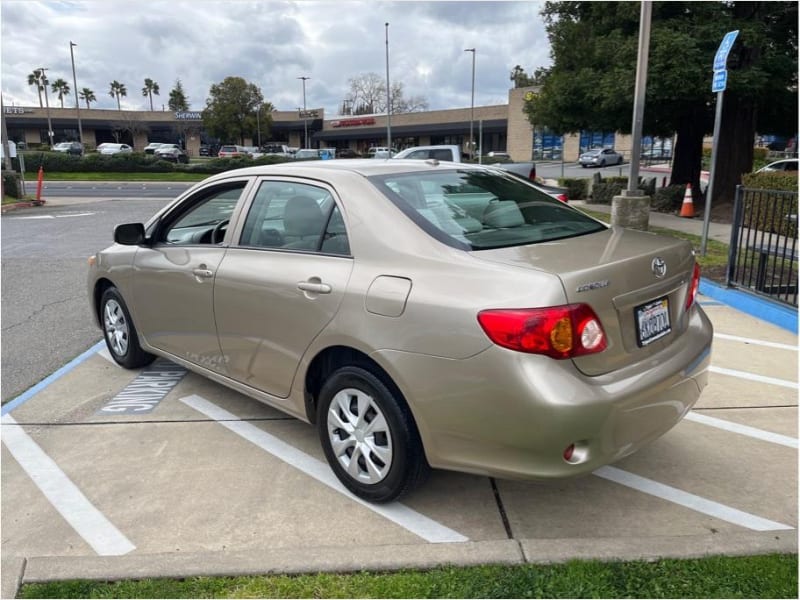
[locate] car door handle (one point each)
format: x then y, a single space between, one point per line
314 287
205 273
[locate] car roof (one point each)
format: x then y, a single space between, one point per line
361 166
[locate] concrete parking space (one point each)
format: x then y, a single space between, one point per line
109 473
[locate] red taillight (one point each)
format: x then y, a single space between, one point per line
557 331
693 286
532 174
563 197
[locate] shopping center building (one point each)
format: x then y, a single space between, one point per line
502 127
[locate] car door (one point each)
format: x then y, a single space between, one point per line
284 280
174 276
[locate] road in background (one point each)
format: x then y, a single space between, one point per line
45 313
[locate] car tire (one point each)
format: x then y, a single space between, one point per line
369 436
122 339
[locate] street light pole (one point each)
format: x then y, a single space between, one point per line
472 107
75 84
43 82
258 123
305 118
388 96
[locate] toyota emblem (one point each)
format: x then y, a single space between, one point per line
659 267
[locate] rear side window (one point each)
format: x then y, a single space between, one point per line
482 209
295 216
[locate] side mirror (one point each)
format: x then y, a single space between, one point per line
129 234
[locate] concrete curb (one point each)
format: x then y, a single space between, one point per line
27 204
351 559
767 310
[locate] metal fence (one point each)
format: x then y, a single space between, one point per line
763 252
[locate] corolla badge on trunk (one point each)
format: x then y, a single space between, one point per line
594 285
659 267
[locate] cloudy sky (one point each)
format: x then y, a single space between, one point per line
270 43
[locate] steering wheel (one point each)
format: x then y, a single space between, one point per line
219 230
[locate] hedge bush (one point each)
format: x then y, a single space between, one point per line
765 205
668 199
771 180
577 189
603 191
11 184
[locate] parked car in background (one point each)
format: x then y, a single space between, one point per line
307 153
231 151
789 164
111 148
206 151
452 153
172 153
419 315
381 152
347 153
75 148
277 150
600 157
151 147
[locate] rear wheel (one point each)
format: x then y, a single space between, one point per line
369 436
119 332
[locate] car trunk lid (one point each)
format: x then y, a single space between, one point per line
636 283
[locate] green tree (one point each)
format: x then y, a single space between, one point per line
61 89
230 112
117 90
150 88
591 83
177 98
88 96
36 78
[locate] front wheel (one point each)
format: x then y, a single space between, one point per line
119 332
369 436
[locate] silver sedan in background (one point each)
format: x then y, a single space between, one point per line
600 157
420 314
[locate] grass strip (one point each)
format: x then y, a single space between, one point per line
770 576
716 258
86 176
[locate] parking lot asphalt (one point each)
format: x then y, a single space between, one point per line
205 481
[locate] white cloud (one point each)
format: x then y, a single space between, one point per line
270 43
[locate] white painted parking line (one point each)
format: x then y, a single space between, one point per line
63 494
417 523
107 355
754 377
696 503
767 436
736 338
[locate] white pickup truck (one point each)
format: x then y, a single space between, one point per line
453 153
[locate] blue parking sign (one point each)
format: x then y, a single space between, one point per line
721 57
720 81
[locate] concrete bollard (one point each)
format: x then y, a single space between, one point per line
632 212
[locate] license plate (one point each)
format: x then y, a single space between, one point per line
652 321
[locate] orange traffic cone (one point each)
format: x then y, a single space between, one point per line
687 208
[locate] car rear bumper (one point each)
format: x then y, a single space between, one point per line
508 414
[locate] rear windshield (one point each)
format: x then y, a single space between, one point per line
228 149
482 209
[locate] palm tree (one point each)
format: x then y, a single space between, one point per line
61 88
87 95
117 90
150 88
34 78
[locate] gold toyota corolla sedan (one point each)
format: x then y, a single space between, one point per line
420 314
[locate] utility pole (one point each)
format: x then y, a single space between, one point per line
305 116
388 97
75 85
472 107
43 82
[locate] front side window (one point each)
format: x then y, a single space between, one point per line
295 216
205 217
482 209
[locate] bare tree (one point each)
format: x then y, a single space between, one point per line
367 95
